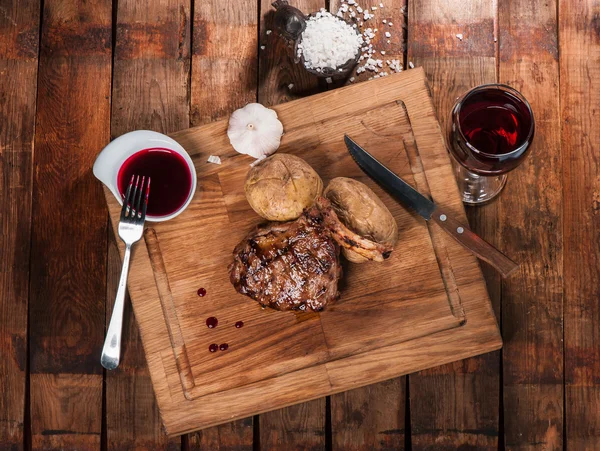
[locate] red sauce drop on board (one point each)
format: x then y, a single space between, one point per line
223 346
239 324
201 292
212 322
170 174
213 347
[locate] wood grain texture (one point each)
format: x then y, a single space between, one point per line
531 232
280 80
261 371
299 427
457 405
224 78
370 418
150 91
234 436
357 418
68 255
19 38
224 58
579 32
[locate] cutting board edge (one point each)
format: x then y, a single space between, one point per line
491 347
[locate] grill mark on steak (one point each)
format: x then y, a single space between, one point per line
289 266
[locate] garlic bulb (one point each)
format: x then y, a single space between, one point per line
255 130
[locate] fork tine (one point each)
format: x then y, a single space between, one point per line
132 211
145 201
138 199
125 207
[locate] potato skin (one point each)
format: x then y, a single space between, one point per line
363 212
281 186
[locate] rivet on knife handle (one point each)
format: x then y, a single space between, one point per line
474 243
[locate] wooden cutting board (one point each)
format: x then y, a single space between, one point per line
425 306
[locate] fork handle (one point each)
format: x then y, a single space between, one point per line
111 352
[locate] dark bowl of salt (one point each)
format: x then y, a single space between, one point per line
326 45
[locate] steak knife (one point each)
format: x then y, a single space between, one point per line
426 208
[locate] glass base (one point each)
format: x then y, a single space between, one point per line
477 189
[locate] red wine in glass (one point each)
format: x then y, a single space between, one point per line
170 174
489 134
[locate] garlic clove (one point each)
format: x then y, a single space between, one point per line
255 130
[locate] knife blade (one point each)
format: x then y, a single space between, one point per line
426 208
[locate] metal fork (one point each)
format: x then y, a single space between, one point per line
131 227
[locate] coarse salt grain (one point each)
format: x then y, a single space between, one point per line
381 5
268 32
384 21
328 42
262 47
411 65
290 86
388 34
459 36
214 159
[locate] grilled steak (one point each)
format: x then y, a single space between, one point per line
289 266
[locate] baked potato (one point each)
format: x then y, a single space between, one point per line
363 212
280 187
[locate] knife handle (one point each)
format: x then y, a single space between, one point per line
474 243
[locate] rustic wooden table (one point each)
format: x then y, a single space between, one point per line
75 74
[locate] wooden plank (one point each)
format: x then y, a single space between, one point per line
150 91
373 417
457 405
530 209
579 31
299 427
237 435
370 418
224 78
280 80
68 255
19 40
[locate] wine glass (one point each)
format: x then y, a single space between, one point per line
489 134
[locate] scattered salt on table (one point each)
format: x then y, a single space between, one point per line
214 159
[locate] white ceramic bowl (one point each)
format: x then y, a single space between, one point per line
111 158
